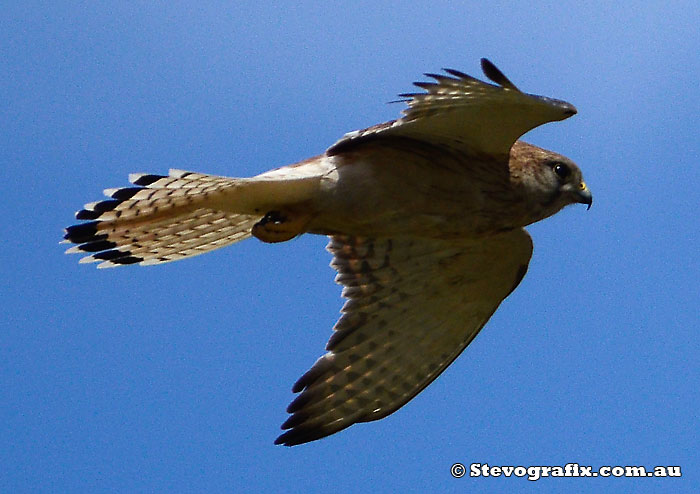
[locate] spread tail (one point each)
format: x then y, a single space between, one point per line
161 219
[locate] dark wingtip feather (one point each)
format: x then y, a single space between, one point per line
460 75
570 110
305 434
294 420
294 437
567 109
299 402
424 85
494 74
320 367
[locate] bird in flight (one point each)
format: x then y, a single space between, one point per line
425 218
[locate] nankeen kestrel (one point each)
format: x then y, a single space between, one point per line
425 216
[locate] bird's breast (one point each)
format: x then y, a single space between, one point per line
399 195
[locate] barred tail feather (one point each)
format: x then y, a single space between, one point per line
161 219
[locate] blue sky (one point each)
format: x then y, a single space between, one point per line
175 378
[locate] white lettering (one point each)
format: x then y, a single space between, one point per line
533 473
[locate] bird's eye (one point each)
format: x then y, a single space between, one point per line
562 170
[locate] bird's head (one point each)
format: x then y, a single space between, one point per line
548 181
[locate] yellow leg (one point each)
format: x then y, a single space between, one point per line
280 226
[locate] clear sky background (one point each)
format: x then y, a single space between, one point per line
175 378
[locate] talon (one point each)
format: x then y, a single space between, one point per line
277 226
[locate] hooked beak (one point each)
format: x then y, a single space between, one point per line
583 195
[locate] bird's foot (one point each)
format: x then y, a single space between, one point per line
280 226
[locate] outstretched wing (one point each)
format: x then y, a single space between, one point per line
413 306
465 113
